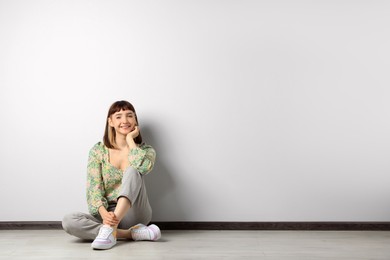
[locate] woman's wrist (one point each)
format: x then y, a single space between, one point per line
102 210
130 142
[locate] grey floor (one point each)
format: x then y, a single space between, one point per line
273 245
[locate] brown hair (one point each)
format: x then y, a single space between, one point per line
109 132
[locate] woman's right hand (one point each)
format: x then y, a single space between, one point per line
109 218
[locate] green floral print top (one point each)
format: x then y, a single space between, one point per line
104 180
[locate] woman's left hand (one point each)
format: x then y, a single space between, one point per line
133 134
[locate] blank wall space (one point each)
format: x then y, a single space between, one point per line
259 111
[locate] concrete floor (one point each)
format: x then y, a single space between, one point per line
272 245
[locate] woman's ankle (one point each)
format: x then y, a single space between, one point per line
124 234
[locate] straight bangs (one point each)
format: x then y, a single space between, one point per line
119 106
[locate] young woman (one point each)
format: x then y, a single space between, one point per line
116 193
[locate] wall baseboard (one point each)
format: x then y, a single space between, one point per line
274 225
30 225
175 225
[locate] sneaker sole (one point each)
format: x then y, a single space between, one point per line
103 247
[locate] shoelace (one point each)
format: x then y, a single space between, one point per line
104 232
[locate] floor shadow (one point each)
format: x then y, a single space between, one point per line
81 241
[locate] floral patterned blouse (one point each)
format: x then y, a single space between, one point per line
104 180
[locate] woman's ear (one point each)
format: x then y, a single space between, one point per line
110 122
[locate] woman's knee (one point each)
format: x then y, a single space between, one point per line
131 170
68 222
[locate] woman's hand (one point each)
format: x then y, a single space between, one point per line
109 218
130 136
134 133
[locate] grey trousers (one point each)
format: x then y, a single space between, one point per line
86 226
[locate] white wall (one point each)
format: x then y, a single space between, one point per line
259 110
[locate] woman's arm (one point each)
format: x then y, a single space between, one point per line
95 186
141 158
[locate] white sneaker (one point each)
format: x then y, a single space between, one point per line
142 232
140 225
105 239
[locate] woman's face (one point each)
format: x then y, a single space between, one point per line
123 121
